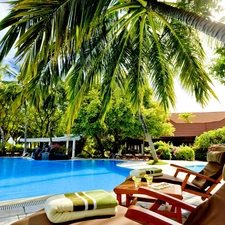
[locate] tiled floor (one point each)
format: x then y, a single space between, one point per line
12 211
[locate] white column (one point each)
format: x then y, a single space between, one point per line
73 148
67 145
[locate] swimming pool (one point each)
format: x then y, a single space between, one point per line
22 178
196 168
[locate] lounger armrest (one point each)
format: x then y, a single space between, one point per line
166 198
180 169
191 172
145 216
198 175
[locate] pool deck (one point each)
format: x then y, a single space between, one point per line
14 210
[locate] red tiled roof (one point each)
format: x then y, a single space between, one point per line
203 122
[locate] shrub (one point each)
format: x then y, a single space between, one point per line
185 153
165 152
204 141
18 147
157 144
174 150
201 154
8 146
212 137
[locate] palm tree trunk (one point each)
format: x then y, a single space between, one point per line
25 129
50 132
213 29
3 139
101 148
149 138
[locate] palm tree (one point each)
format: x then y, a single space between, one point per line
3 72
20 99
8 94
44 34
126 43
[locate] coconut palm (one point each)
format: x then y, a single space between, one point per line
43 31
3 72
126 43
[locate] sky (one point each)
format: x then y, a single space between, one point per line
185 102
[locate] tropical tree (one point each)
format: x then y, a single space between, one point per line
38 123
120 123
186 117
42 101
127 44
217 67
2 71
45 95
11 118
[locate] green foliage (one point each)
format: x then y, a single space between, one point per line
89 150
134 57
201 154
185 153
202 7
111 48
15 148
18 147
39 122
163 150
186 117
212 137
217 68
8 146
45 107
204 141
157 144
12 118
119 123
159 162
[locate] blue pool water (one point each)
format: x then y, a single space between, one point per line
196 168
22 178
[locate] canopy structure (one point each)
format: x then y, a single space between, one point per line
66 139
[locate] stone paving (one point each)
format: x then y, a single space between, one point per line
11 211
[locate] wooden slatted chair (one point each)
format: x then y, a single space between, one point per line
205 181
209 212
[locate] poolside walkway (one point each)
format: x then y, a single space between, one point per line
11 211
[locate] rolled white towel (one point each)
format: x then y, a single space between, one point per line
79 205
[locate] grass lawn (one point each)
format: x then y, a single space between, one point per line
159 162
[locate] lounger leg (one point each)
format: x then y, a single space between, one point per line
118 197
174 212
128 200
